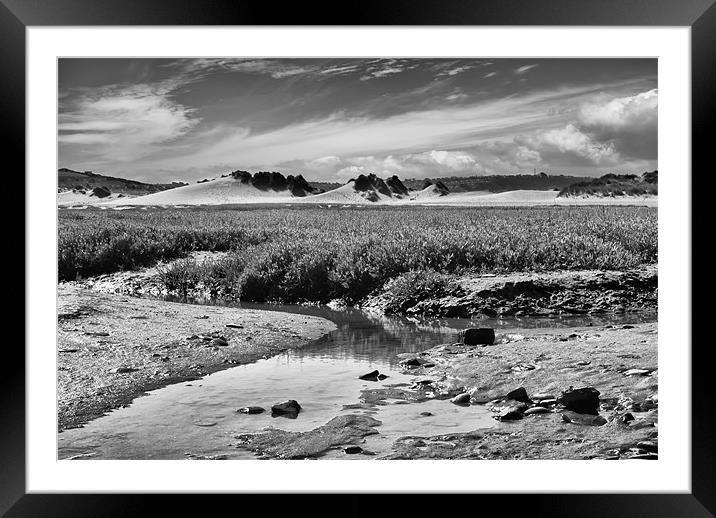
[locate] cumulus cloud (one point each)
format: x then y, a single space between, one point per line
629 123
568 143
409 165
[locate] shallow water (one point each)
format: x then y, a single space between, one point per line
199 419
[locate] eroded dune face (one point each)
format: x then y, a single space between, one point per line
242 187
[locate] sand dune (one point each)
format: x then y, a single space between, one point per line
72 198
227 191
222 191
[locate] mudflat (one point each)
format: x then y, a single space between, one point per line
112 348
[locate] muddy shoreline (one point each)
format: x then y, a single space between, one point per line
112 348
542 361
619 361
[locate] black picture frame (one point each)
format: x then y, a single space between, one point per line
700 15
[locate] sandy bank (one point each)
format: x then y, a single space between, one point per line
112 348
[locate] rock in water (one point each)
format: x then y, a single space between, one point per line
251 410
582 400
461 399
511 413
369 376
289 408
478 336
519 394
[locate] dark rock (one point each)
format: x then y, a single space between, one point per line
68 350
382 376
477 336
461 399
519 394
289 408
369 376
411 362
511 413
582 400
426 414
251 410
627 417
235 326
219 342
351 450
520 405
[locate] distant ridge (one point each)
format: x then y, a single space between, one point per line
500 183
615 185
86 182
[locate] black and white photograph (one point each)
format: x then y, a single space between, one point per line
357 258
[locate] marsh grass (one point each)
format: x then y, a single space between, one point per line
317 254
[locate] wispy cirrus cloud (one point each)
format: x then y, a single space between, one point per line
125 123
541 130
328 118
524 69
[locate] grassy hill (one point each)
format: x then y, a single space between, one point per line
615 185
67 179
501 183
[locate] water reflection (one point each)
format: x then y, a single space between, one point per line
201 418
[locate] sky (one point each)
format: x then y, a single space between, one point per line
163 120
